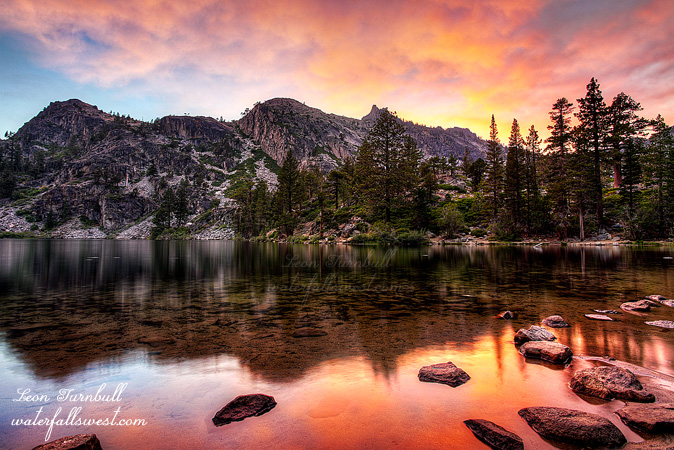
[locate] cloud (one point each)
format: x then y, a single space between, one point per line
437 62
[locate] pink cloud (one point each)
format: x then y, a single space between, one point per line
436 62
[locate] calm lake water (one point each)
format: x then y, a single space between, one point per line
336 334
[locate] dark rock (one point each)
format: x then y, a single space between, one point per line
572 426
534 333
506 315
77 442
244 406
547 351
610 382
640 306
308 332
493 435
661 323
555 322
599 317
445 373
651 418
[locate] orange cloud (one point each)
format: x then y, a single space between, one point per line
436 62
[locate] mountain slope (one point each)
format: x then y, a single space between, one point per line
106 173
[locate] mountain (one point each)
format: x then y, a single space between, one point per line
99 174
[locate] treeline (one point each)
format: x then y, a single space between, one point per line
603 168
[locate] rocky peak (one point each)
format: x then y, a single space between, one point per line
59 121
372 116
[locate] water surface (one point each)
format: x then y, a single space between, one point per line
336 334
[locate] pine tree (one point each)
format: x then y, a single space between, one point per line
559 146
387 164
659 170
289 178
515 173
624 125
592 114
581 174
532 189
494 172
631 172
182 203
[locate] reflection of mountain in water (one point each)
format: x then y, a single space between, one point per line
282 309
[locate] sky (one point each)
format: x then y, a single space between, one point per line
436 62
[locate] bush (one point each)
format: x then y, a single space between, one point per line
451 220
478 232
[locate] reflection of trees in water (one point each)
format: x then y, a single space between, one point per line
94 300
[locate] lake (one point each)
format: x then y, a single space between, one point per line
337 334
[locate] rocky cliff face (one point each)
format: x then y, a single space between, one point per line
199 129
283 124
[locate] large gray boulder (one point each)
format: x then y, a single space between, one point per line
610 382
651 418
547 351
445 373
534 333
572 426
495 436
77 442
244 406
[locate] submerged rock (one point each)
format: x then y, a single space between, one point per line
244 406
547 351
534 333
77 442
445 373
610 382
506 315
308 332
651 418
599 317
496 437
661 323
572 426
640 306
555 322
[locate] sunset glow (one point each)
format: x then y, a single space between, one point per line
441 63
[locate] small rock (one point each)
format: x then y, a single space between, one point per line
496 437
547 351
651 418
656 298
610 382
572 426
506 315
77 442
555 322
244 406
640 306
661 323
599 317
308 332
534 333
606 311
445 373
